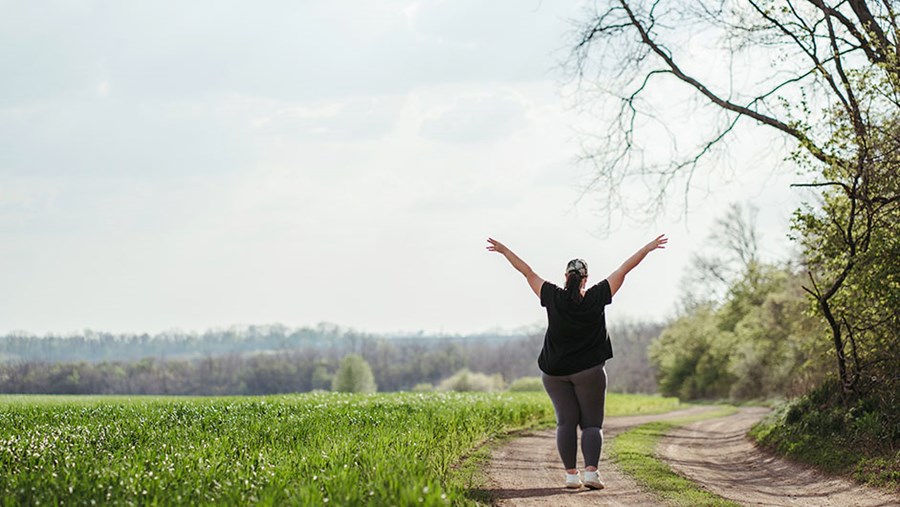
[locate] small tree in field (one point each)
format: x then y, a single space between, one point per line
354 376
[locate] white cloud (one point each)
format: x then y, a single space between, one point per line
324 161
410 12
482 117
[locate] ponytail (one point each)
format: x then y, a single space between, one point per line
573 286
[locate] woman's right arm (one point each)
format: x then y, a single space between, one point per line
534 281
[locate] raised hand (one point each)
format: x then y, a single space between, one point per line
616 278
659 242
496 246
534 281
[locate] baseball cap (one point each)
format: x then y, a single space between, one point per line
577 266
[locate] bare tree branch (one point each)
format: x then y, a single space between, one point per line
863 42
724 104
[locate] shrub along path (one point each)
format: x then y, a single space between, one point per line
717 454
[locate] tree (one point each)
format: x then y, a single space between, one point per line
692 356
750 337
754 344
823 75
730 253
354 376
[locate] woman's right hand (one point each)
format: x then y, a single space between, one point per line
534 281
496 246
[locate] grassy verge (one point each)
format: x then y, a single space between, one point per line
470 474
639 404
861 440
634 451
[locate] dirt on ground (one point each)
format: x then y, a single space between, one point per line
527 471
715 453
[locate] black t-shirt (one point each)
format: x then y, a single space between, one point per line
576 337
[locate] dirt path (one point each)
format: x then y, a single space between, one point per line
716 453
527 471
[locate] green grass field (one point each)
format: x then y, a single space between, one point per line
310 449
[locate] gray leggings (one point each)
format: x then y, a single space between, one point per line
579 400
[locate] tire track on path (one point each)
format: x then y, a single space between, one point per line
717 454
527 471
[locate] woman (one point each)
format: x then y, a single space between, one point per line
576 347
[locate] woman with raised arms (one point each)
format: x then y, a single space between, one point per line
576 348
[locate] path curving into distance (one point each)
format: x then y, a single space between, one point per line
527 471
714 452
717 454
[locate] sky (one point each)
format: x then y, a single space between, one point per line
169 165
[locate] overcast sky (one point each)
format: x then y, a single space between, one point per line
204 164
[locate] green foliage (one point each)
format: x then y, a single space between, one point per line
423 387
851 236
820 429
777 344
527 384
634 451
867 306
757 344
754 340
354 376
691 355
376 449
321 378
465 380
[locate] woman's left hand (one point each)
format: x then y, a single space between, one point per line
496 246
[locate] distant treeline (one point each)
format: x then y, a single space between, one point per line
277 359
94 346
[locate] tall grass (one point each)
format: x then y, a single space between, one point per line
312 449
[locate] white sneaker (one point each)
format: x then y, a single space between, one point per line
592 480
573 481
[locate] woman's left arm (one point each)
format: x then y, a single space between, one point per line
616 278
534 281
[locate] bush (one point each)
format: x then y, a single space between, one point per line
465 380
354 376
423 387
527 384
856 436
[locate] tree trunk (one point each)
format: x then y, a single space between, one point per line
838 344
